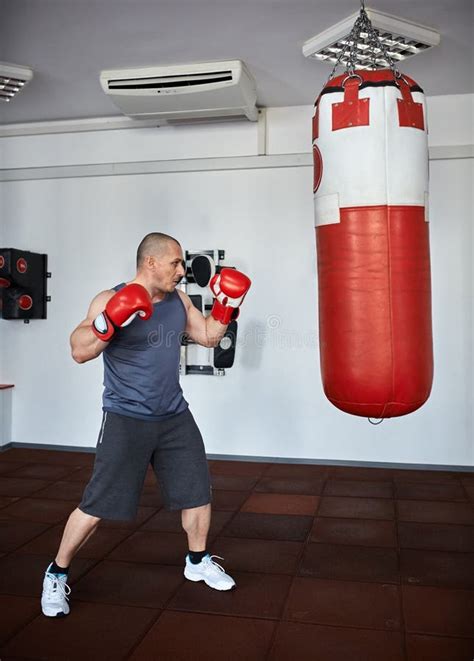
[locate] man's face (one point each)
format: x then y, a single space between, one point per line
169 268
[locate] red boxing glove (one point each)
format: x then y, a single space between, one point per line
229 287
121 310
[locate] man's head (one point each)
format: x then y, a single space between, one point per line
160 261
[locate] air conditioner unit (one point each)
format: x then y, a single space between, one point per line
183 93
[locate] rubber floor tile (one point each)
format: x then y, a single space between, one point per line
452 570
22 574
359 508
274 503
436 536
438 611
237 468
305 471
229 501
208 638
161 548
92 631
360 473
256 595
16 613
14 534
44 471
311 486
63 490
129 584
101 542
7 467
32 455
469 489
20 487
233 482
346 604
428 491
434 648
358 488
311 642
151 497
357 532
269 526
7 500
165 521
83 474
143 514
436 477
270 557
350 563
435 512
38 509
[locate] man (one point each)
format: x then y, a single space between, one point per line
138 328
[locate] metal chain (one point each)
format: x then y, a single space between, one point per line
349 52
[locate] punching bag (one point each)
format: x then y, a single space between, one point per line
370 156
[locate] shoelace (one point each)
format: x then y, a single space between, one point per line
55 585
216 564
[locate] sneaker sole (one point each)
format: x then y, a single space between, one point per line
215 587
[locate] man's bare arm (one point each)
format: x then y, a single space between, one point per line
205 331
85 345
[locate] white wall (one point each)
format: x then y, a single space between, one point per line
271 403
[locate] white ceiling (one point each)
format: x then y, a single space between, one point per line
68 42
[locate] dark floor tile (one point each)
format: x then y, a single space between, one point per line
233 482
164 521
92 632
310 642
16 533
360 473
7 467
38 509
20 487
7 500
346 604
435 648
350 563
32 455
275 503
436 536
208 638
256 595
438 611
44 471
435 512
83 474
143 514
430 491
469 489
229 501
359 488
16 613
269 526
356 532
304 471
452 570
263 556
101 542
129 584
22 574
161 548
311 486
151 497
356 508
436 477
63 490
237 468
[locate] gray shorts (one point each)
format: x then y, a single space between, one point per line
126 446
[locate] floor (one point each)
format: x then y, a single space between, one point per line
331 564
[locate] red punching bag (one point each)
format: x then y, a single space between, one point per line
371 211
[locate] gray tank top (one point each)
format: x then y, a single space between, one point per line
141 364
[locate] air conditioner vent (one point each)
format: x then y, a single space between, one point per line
162 82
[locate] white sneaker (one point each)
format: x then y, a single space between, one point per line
55 595
210 572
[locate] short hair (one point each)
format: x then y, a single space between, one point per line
154 243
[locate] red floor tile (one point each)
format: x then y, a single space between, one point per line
310 642
356 532
342 603
350 563
435 512
92 631
16 612
436 477
274 503
32 455
233 482
356 508
237 468
311 486
16 533
269 526
38 509
304 471
101 542
429 491
436 536
435 648
358 488
438 611
452 570
360 473
229 501
161 548
20 487
256 595
129 584
269 557
208 638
